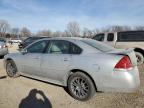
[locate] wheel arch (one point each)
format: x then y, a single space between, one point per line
139 50
79 70
7 59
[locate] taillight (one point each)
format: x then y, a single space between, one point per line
124 63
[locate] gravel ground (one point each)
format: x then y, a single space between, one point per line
23 92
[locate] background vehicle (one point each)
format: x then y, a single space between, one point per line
84 66
15 41
2 40
126 39
29 40
3 47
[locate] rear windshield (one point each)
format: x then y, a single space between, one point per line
133 36
98 45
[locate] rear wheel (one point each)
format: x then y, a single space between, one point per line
81 86
140 58
11 69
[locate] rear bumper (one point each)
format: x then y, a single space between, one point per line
3 51
122 81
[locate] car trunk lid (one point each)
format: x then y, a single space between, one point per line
129 52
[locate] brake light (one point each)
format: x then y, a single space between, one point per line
124 63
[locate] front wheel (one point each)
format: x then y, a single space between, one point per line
140 58
11 69
81 86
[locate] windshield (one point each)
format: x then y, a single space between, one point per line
30 39
98 45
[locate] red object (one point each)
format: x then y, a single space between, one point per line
124 63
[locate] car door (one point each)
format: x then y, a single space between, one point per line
56 60
31 60
110 39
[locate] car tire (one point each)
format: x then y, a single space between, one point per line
140 58
80 86
11 69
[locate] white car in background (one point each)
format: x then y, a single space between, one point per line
84 66
15 41
125 40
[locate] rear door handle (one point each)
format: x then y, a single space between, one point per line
36 57
65 59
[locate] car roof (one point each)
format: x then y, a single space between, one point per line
72 39
39 36
67 38
129 31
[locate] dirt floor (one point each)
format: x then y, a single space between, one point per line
23 92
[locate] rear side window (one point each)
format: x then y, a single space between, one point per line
63 47
110 37
75 49
133 36
59 47
99 37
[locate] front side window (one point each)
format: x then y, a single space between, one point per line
110 37
99 37
37 47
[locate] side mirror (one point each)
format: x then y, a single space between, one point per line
24 51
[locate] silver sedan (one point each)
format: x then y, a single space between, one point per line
84 66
